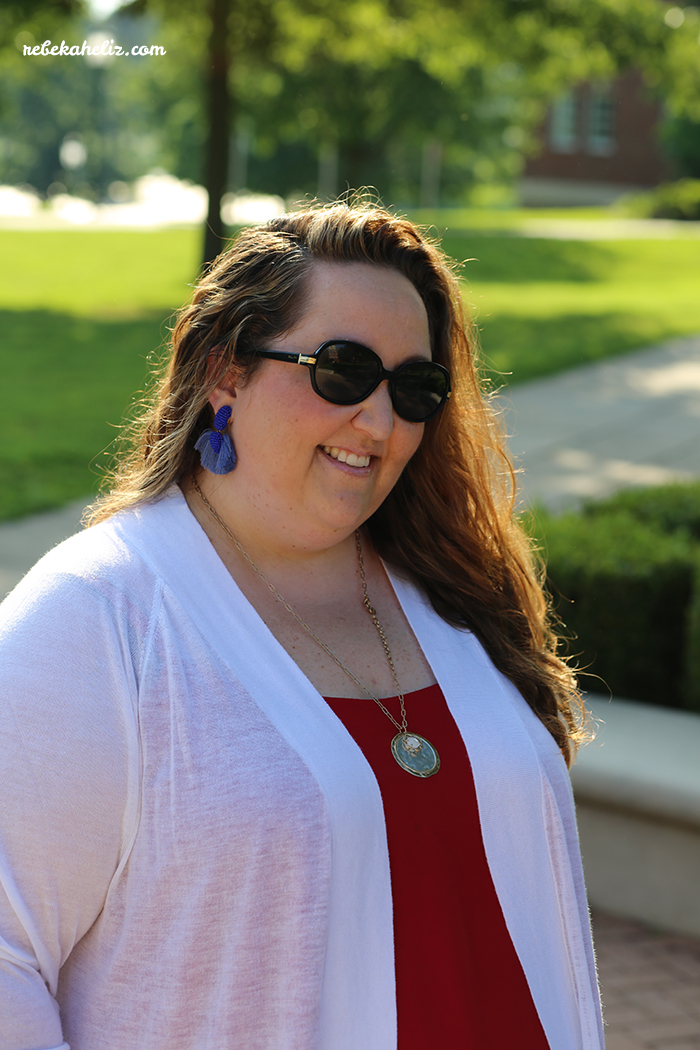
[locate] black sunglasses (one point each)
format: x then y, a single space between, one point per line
346 373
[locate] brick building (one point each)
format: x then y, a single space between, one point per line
598 142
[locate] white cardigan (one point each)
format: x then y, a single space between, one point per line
193 852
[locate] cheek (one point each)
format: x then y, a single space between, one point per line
408 440
413 437
275 412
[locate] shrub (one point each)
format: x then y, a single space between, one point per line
625 591
669 508
691 678
671 200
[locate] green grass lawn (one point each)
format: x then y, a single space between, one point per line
544 305
83 314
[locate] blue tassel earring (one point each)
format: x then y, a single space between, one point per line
215 447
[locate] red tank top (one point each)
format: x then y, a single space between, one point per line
459 983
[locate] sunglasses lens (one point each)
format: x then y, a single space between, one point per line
420 389
346 372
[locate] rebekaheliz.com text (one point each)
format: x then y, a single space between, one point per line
105 47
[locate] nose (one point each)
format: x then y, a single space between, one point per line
375 415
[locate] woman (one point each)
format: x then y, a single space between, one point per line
287 732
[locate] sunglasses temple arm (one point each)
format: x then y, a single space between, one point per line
285 355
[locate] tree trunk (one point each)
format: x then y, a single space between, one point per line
218 114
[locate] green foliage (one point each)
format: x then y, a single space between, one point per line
692 656
475 76
626 578
670 510
672 200
15 15
666 508
132 114
681 140
375 79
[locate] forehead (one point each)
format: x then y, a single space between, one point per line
369 304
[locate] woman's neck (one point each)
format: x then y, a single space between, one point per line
301 564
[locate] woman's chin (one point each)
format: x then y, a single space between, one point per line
333 522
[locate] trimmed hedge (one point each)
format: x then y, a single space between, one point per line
669 508
625 577
671 200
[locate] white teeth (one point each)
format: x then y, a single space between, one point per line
346 457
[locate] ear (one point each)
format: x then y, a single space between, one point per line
224 393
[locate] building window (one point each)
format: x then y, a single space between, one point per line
600 138
562 125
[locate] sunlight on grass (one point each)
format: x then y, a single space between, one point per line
91 273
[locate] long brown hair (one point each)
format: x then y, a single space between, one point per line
448 524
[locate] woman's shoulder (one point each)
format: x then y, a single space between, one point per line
95 560
105 560
91 581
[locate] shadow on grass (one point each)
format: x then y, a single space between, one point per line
522 260
516 349
67 385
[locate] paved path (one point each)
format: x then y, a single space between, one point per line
607 229
23 542
631 420
650 983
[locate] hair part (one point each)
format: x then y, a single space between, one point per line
449 522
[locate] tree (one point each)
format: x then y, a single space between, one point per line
389 86
682 141
354 63
219 107
14 14
225 30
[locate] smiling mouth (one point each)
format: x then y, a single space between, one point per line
346 457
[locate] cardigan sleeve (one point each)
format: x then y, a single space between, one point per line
69 781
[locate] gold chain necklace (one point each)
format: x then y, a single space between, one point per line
413 753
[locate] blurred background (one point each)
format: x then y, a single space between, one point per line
554 147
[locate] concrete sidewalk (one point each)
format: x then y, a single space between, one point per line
632 420
23 542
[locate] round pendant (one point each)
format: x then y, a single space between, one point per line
415 754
